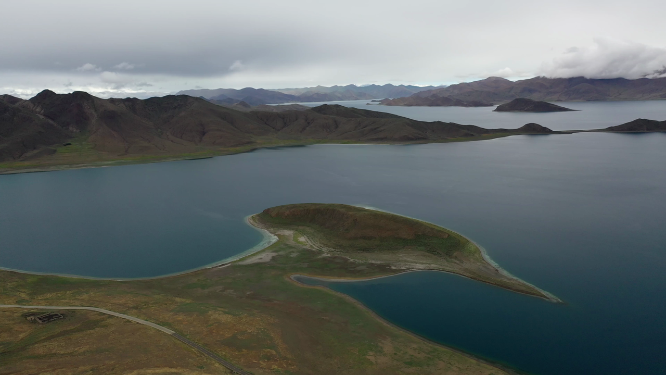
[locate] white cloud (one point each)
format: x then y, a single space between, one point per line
88 67
125 66
505 72
237 65
508 73
117 80
608 58
113 77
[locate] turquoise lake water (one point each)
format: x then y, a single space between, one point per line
581 216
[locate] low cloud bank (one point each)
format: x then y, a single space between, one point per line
609 58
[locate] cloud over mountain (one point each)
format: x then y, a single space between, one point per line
609 58
174 45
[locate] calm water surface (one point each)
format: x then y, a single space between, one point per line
590 115
580 215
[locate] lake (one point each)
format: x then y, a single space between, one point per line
578 215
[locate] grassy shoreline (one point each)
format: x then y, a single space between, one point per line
47 165
508 369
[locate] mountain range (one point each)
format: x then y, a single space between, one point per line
51 130
79 127
254 96
495 90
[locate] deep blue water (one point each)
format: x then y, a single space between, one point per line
581 216
590 115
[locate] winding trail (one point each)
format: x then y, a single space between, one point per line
192 344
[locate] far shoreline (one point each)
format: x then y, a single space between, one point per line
153 159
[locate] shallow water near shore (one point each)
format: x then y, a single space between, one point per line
580 216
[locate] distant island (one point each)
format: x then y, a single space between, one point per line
496 90
529 105
251 316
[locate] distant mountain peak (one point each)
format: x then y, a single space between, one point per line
45 94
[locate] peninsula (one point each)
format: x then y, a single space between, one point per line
400 243
57 131
250 316
529 105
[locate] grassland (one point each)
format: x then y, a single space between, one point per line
249 312
88 342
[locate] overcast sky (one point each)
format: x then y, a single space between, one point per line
142 48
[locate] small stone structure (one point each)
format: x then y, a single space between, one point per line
44 318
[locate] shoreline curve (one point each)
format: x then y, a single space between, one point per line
267 240
502 366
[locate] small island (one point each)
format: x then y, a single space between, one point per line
529 105
400 243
